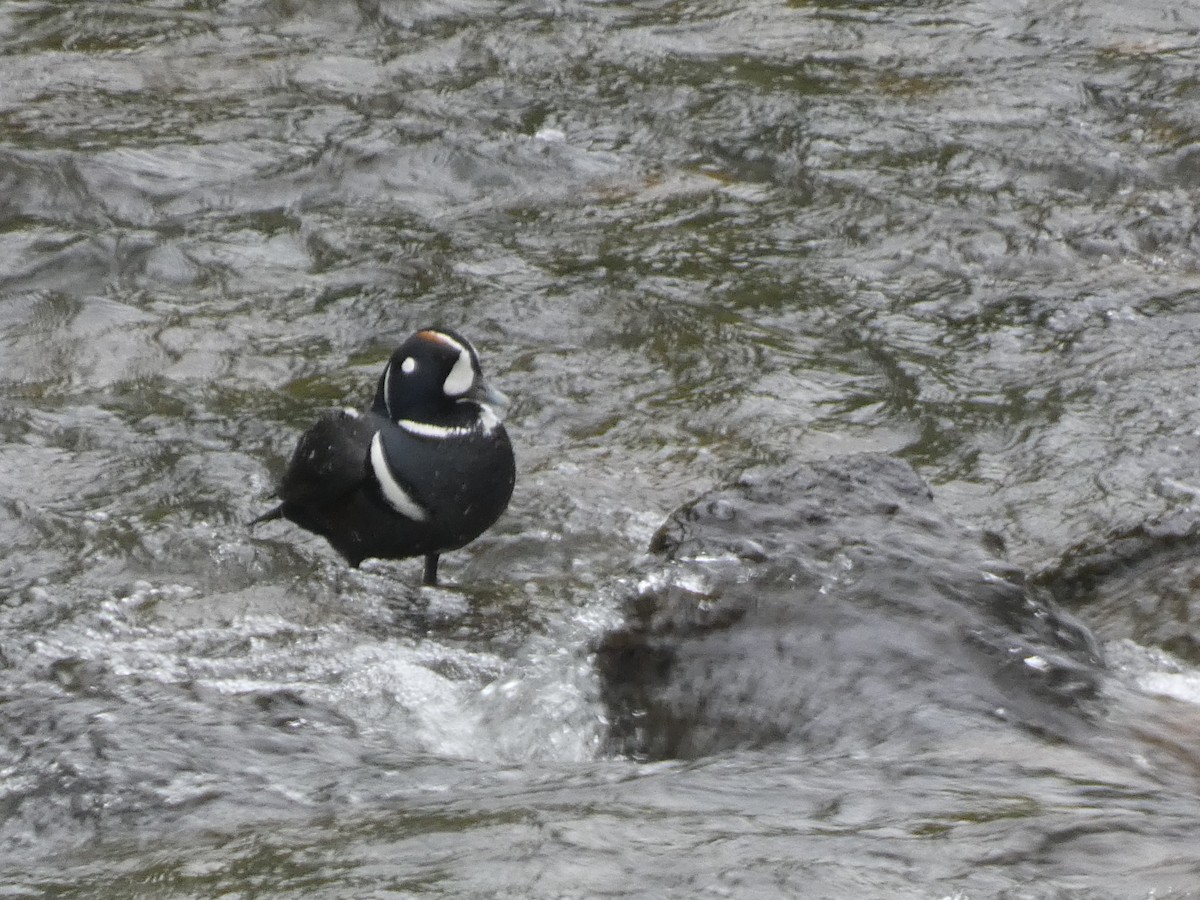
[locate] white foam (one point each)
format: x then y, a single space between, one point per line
1155 671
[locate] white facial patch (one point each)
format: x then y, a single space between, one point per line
408 366
461 377
393 492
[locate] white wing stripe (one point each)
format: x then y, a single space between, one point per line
387 388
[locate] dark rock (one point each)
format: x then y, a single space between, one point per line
834 606
1140 583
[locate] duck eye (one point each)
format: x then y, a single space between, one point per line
408 366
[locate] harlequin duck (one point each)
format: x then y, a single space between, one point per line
426 469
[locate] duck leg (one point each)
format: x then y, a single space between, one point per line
431 564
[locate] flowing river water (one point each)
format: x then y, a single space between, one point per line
687 238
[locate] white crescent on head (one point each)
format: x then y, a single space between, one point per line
461 377
393 492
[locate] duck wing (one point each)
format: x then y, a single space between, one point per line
330 461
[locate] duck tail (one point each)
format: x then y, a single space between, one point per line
269 516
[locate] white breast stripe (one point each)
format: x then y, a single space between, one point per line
395 495
438 432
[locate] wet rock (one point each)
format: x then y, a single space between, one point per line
832 605
1140 583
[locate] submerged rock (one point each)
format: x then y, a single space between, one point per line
834 606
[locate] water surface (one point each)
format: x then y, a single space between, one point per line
687 237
